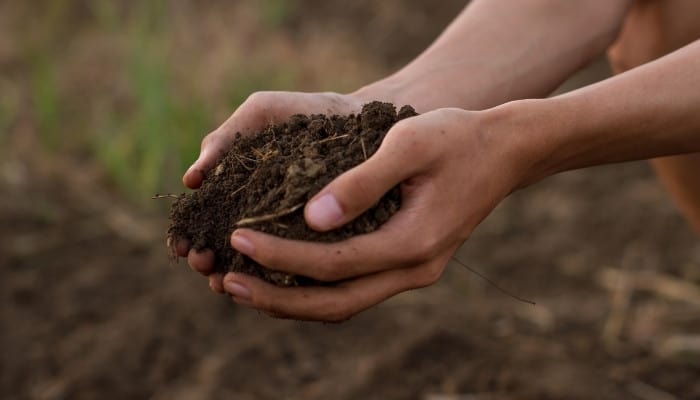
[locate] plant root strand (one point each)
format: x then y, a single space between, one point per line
494 284
165 196
269 217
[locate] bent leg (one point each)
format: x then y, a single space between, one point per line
652 29
681 176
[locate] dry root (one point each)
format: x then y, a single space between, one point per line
269 217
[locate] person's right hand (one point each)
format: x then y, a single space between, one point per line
259 110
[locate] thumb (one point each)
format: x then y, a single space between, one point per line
356 190
212 145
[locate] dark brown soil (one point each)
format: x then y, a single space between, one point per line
264 181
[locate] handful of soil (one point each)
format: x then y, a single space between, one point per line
263 182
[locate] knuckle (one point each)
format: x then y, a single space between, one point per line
258 107
408 140
425 248
209 139
362 188
255 97
258 101
402 133
429 274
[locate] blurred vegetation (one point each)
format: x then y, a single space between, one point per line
160 131
130 88
116 85
144 149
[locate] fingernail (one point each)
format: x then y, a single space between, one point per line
325 212
237 290
242 244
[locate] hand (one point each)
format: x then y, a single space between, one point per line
453 170
254 114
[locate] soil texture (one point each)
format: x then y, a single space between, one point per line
264 180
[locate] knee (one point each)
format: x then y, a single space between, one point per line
634 47
652 29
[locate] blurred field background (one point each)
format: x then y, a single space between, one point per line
132 87
104 103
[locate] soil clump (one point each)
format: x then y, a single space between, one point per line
264 180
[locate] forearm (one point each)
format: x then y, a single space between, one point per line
648 112
501 50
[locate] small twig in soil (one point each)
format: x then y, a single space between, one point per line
663 285
242 163
274 138
172 251
248 158
364 151
645 391
269 217
328 139
164 196
238 190
264 156
620 299
492 283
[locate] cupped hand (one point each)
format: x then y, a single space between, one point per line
259 110
453 169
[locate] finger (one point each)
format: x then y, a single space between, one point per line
201 261
356 190
216 282
392 246
182 247
330 304
212 147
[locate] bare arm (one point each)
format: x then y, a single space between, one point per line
495 51
650 111
450 185
501 50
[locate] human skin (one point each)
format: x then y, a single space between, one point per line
470 66
458 158
651 30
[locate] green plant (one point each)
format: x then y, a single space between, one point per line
274 13
45 96
144 150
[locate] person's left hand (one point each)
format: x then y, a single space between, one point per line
453 167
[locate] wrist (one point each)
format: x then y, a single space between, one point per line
526 134
391 89
416 87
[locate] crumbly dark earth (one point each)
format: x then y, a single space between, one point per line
263 182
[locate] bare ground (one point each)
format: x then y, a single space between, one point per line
91 308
